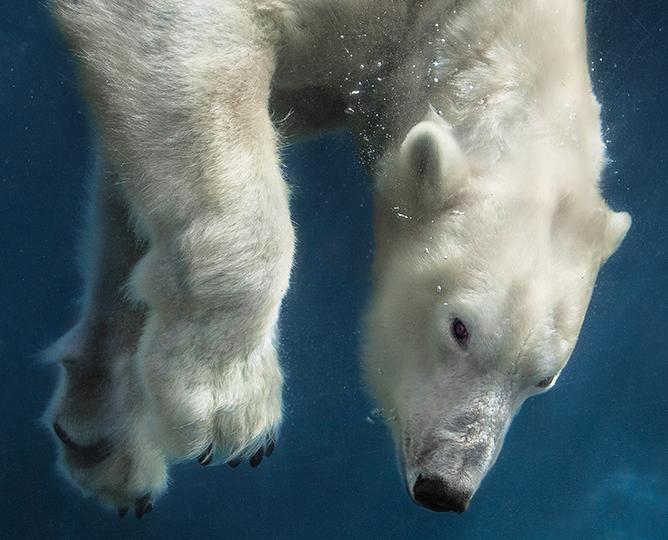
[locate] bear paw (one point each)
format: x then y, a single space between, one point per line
102 427
212 403
119 472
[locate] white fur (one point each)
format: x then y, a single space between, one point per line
488 209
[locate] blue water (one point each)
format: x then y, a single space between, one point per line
587 460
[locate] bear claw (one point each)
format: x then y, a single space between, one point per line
143 506
257 457
205 457
94 454
265 450
269 450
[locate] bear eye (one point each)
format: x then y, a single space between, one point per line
460 332
547 381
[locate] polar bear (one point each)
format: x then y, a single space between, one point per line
476 120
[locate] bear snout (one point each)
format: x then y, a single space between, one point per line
437 495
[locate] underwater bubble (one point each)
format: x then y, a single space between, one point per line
349 110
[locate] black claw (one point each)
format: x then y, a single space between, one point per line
257 458
143 506
269 450
91 455
205 457
122 512
64 437
234 462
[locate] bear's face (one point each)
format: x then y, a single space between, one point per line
482 281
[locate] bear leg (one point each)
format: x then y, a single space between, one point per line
98 413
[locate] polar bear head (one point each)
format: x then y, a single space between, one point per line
482 279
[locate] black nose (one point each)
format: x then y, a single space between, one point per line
435 494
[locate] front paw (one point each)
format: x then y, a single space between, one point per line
209 405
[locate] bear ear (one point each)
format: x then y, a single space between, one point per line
433 161
618 224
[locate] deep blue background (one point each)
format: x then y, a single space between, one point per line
587 460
